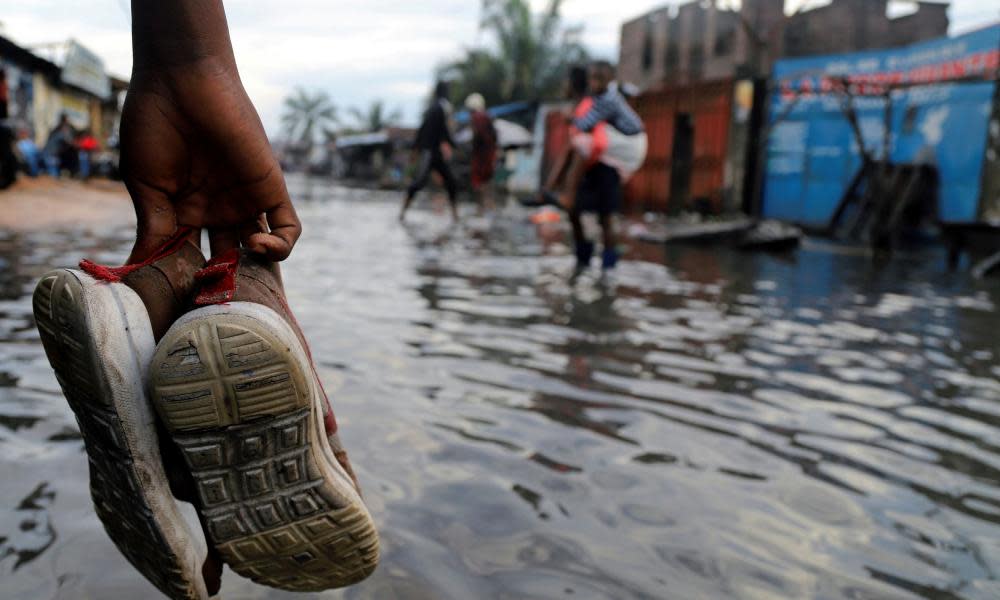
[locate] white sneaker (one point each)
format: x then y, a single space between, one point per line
99 341
234 387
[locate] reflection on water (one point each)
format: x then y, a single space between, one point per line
725 425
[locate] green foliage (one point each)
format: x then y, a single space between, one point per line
306 116
375 117
526 59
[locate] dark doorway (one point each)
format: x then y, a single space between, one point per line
681 158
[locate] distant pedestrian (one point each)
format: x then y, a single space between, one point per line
4 95
623 144
59 150
31 157
8 159
575 91
484 148
434 144
608 144
87 146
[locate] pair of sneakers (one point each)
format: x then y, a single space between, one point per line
192 381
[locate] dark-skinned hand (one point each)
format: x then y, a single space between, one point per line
194 154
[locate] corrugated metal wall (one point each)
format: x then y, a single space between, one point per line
709 106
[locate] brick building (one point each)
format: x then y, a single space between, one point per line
694 41
702 40
853 25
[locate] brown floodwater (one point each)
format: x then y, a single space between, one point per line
703 424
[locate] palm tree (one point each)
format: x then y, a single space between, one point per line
376 117
306 116
480 71
528 56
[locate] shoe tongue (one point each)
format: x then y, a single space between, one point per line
217 281
238 276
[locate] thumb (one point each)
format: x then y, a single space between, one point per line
284 229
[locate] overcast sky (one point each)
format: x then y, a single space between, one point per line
357 51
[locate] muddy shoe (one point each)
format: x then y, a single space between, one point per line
99 340
235 385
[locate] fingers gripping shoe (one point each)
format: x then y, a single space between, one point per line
234 383
99 338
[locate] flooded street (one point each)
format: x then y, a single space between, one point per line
705 424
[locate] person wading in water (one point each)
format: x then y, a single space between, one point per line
484 150
435 144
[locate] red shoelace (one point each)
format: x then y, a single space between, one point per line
115 274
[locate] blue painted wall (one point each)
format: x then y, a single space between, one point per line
812 153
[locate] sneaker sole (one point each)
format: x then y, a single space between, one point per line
233 386
99 342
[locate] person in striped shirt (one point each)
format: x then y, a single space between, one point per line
608 145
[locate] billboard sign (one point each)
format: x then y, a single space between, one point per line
85 70
940 95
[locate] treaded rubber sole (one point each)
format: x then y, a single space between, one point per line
233 386
127 481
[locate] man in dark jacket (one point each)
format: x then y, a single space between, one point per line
59 151
434 143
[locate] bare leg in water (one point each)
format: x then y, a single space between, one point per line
571 184
431 161
577 224
583 248
565 177
453 201
608 230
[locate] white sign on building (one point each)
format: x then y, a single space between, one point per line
85 70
